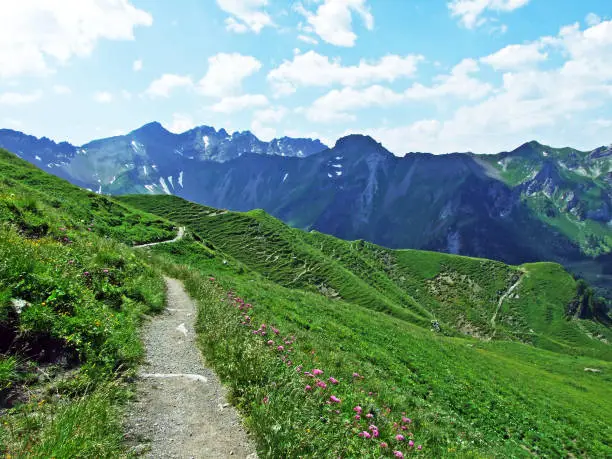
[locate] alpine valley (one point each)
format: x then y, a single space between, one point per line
534 203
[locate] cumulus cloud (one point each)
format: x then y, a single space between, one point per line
61 90
530 103
164 85
226 73
235 104
180 123
514 57
18 98
333 20
246 15
313 69
103 97
37 35
471 12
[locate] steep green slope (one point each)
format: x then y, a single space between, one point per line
71 298
466 295
463 396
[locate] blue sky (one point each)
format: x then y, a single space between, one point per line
418 75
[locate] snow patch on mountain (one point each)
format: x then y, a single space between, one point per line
180 179
285 177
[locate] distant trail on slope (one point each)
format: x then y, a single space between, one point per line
179 236
180 409
503 298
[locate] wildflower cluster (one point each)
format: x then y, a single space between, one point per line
378 428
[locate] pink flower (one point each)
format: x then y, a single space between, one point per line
333 380
263 326
398 454
411 443
280 348
406 420
316 371
86 273
369 393
266 400
275 330
334 399
384 444
299 368
337 411
321 384
369 415
372 427
307 388
420 447
375 433
357 409
270 342
400 437
357 417
364 434
356 375
212 279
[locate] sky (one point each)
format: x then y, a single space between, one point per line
433 76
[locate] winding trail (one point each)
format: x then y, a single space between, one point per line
179 236
181 409
503 298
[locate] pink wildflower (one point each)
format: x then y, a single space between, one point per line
316 371
406 420
357 417
372 427
321 384
356 375
411 443
266 400
337 411
270 342
369 415
420 447
307 388
299 368
275 330
398 454
364 434
357 409
404 427
86 273
280 348
333 380
384 444
334 399
400 437
375 433
212 279
105 271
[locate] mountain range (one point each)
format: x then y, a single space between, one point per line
530 204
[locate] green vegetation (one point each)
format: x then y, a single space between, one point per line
353 307
71 300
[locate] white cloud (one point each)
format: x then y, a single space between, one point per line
313 69
458 83
530 104
592 19
471 12
17 98
164 85
225 74
137 65
336 105
333 20
516 56
61 90
235 104
264 123
307 39
245 15
103 97
39 34
180 123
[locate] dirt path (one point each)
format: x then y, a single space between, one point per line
503 298
181 409
179 236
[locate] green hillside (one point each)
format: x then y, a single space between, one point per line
71 297
362 308
460 356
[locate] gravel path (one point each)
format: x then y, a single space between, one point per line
179 236
180 409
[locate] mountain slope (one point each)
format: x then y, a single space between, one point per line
353 307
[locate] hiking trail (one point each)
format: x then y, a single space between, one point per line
181 409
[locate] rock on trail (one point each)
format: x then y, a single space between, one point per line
180 409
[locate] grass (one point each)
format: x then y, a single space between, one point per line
346 307
71 300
